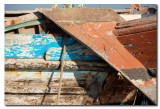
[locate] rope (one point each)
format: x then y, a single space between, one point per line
135 98
62 65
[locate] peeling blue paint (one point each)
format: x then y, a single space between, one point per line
40 45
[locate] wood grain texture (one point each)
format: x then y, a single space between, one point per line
41 87
41 64
21 19
81 15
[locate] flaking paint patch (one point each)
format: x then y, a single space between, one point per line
99 26
109 33
32 46
138 82
95 36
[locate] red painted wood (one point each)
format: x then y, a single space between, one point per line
98 36
136 29
143 46
136 24
139 37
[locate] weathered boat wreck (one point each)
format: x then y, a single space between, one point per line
106 59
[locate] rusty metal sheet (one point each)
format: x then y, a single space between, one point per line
99 37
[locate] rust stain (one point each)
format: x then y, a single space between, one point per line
17 74
12 23
46 65
15 66
38 74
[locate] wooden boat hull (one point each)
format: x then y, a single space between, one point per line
99 37
33 87
95 34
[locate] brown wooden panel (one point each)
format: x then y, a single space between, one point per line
136 29
148 36
145 19
115 94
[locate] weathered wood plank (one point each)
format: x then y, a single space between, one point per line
146 10
45 46
47 100
41 64
24 86
145 19
138 37
136 24
25 24
120 11
136 29
20 12
25 18
40 76
143 46
31 11
43 89
79 14
117 92
29 30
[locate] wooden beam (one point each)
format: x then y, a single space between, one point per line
31 11
41 64
25 24
120 11
19 12
22 19
78 15
145 19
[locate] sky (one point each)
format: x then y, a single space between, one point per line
16 7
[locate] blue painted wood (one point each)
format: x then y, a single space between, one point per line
78 75
25 24
45 46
